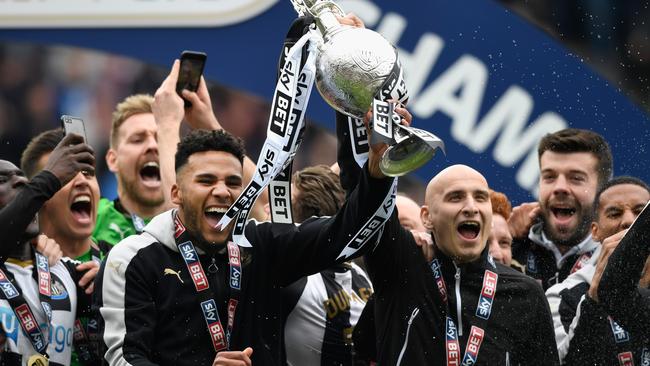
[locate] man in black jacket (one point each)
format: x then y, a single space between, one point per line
619 292
584 332
552 237
462 307
164 307
21 293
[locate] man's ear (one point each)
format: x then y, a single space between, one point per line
177 197
424 216
595 231
111 160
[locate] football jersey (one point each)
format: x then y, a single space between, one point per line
318 330
63 302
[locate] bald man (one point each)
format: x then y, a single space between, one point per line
408 213
462 307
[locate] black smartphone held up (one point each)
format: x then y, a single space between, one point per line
189 75
74 125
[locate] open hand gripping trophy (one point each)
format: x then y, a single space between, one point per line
355 69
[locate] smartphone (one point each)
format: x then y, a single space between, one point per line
189 75
74 125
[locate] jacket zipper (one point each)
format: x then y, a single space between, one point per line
459 315
406 340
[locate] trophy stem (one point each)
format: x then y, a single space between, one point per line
327 23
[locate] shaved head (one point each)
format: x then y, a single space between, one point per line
455 172
458 212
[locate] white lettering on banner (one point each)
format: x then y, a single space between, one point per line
279 202
459 92
132 13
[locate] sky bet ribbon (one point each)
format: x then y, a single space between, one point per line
280 186
293 88
24 313
483 312
220 337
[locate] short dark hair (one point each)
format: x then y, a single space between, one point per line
319 193
205 140
624 179
40 145
574 140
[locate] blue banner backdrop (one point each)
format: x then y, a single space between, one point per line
481 78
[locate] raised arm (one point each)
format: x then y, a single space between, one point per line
69 158
619 286
169 112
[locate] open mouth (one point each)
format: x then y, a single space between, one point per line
563 213
150 174
214 214
469 230
81 208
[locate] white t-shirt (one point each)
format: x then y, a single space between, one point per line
63 303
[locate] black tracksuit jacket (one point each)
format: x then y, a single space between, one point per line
540 262
150 306
410 313
618 290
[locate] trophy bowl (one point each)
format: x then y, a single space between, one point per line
351 67
402 158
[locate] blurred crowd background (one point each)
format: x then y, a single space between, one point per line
39 83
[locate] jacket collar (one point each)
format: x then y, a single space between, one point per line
162 226
449 266
537 236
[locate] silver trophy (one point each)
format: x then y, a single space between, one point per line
352 67
352 62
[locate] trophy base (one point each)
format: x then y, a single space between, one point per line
405 157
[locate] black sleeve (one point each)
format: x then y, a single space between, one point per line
349 169
542 349
364 335
391 259
618 290
19 213
318 243
589 345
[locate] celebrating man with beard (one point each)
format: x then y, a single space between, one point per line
552 237
585 333
182 292
133 158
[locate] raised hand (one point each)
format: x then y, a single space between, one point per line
522 218
167 104
87 281
49 248
424 241
607 247
200 114
71 156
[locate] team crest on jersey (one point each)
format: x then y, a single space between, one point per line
60 299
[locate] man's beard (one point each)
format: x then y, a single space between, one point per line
191 223
579 233
131 190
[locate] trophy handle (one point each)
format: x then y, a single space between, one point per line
301 8
320 6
